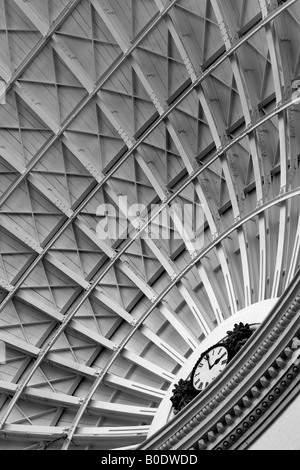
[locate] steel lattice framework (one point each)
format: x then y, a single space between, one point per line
153 103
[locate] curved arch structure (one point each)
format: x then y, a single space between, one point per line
149 169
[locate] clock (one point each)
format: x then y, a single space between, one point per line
209 366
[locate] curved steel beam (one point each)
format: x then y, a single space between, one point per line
203 253
217 157
69 316
161 118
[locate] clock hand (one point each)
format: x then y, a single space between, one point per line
207 359
218 360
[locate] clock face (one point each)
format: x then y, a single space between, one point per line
209 366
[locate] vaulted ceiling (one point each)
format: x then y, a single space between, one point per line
149 190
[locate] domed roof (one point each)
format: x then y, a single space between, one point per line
149 171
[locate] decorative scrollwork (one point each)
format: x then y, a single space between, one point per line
183 393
